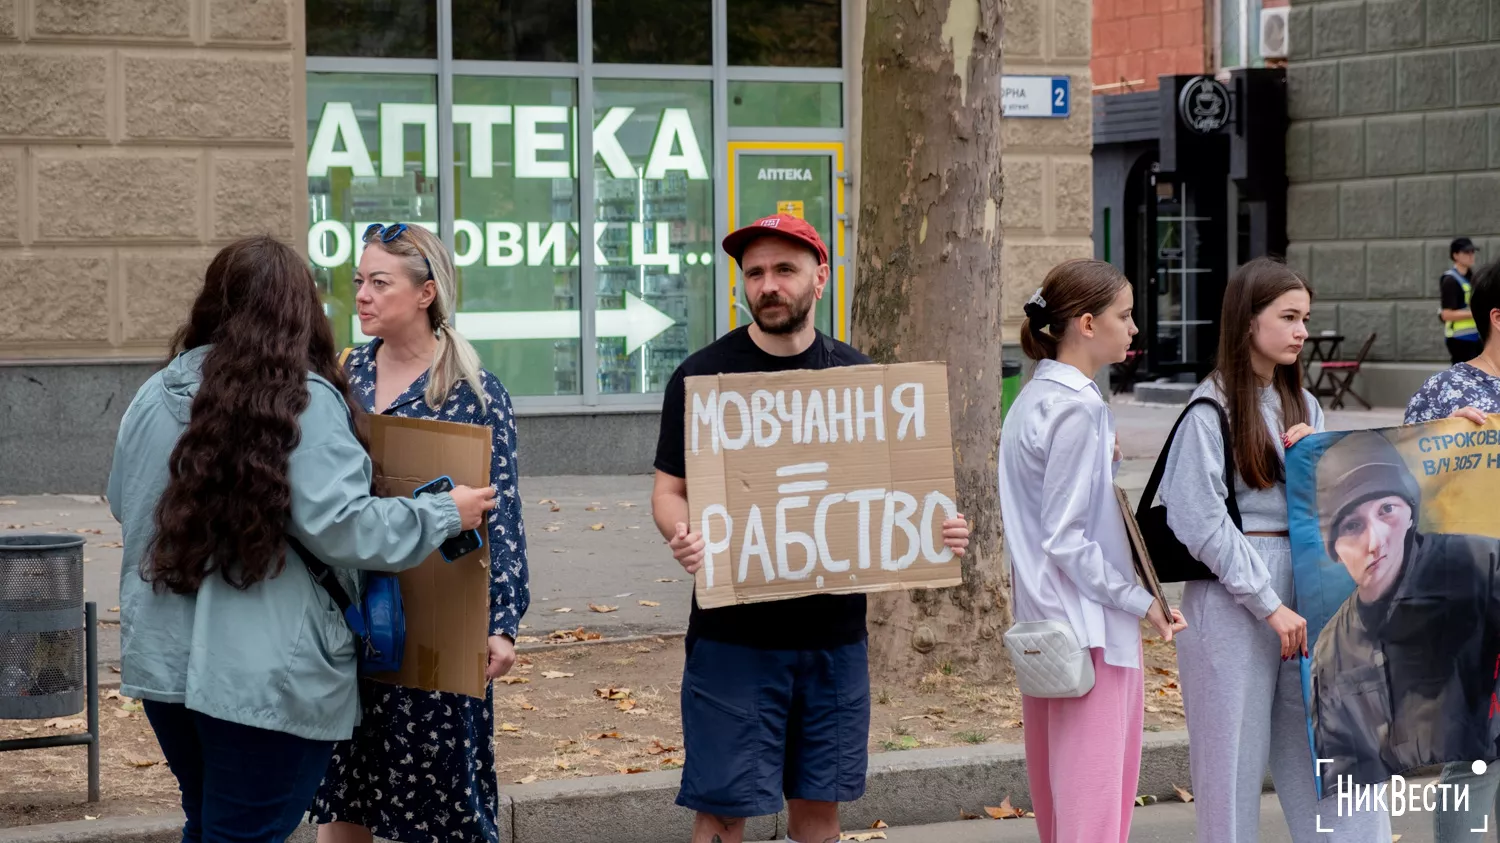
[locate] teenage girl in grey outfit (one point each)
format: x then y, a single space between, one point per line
1238 658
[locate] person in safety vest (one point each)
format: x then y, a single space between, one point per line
1459 330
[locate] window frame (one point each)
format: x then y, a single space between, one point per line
585 71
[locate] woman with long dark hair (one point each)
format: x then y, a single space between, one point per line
1239 657
421 765
245 665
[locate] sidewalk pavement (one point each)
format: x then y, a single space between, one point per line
620 563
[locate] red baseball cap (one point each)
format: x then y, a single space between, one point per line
784 226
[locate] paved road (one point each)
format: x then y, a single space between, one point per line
572 564
1170 822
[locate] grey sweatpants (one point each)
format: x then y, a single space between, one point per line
1244 708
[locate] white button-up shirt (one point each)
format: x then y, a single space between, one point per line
1070 556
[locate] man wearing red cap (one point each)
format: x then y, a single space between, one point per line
776 695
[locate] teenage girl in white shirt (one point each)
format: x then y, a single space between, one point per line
1071 558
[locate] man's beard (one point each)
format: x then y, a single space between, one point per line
792 319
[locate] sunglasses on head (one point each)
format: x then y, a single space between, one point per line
388 233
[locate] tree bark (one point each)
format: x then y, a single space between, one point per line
929 289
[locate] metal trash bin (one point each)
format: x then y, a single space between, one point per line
42 630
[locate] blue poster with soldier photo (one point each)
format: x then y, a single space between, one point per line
1396 558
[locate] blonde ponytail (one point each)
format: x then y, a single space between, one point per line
454 360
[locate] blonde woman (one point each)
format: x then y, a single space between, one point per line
421 765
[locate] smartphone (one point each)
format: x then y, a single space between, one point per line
462 544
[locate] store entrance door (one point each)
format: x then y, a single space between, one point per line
803 180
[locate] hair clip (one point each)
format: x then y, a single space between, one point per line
1037 299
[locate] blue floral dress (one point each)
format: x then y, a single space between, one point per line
1453 389
421 764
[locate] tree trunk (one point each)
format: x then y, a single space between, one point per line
929 289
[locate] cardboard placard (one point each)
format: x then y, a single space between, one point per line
820 482
447 603
1143 567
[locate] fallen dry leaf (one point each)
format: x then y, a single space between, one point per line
546 501
666 579
564 744
90 817
561 610
596 527
555 674
85 531
630 771
591 508
625 505
526 780
113 669
111 544
115 609
1143 801
1161 671
579 634
1183 793
122 715
508 727
612 693
552 528
30 730
965 815
556 508
879 824
7 503
68 723
671 763
515 680
626 705
605 736
561 764
658 748
141 762
112 694
602 609
649 603
1006 811
862 836
594 753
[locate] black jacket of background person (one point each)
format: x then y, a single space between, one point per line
1406 681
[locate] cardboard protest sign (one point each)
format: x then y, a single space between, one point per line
1144 570
447 603
820 482
1396 557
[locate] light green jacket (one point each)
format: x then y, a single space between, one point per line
277 655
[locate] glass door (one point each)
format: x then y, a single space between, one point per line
802 180
1179 268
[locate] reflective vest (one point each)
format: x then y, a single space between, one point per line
1462 326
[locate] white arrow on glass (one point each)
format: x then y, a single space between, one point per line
638 322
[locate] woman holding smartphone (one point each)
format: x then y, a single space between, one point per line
1239 661
1071 558
421 764
243 442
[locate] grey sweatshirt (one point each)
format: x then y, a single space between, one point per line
1193 492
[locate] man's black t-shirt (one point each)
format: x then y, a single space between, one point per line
1452 293
818 622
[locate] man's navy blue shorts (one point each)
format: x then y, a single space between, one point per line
759 725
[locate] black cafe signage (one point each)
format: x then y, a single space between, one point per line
1203 105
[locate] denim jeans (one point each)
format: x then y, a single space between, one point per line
1457 826
239 784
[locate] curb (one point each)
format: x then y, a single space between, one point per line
916 787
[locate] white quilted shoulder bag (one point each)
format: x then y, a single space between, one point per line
1049 661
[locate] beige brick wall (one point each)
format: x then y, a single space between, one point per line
1047 213
136 138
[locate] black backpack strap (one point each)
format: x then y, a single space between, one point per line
1148 496
323 575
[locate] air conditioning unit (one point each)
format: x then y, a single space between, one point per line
1273 32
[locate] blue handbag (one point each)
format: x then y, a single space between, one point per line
379 622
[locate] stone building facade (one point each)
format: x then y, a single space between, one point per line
1393 150
136 136
1047 213
139 136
